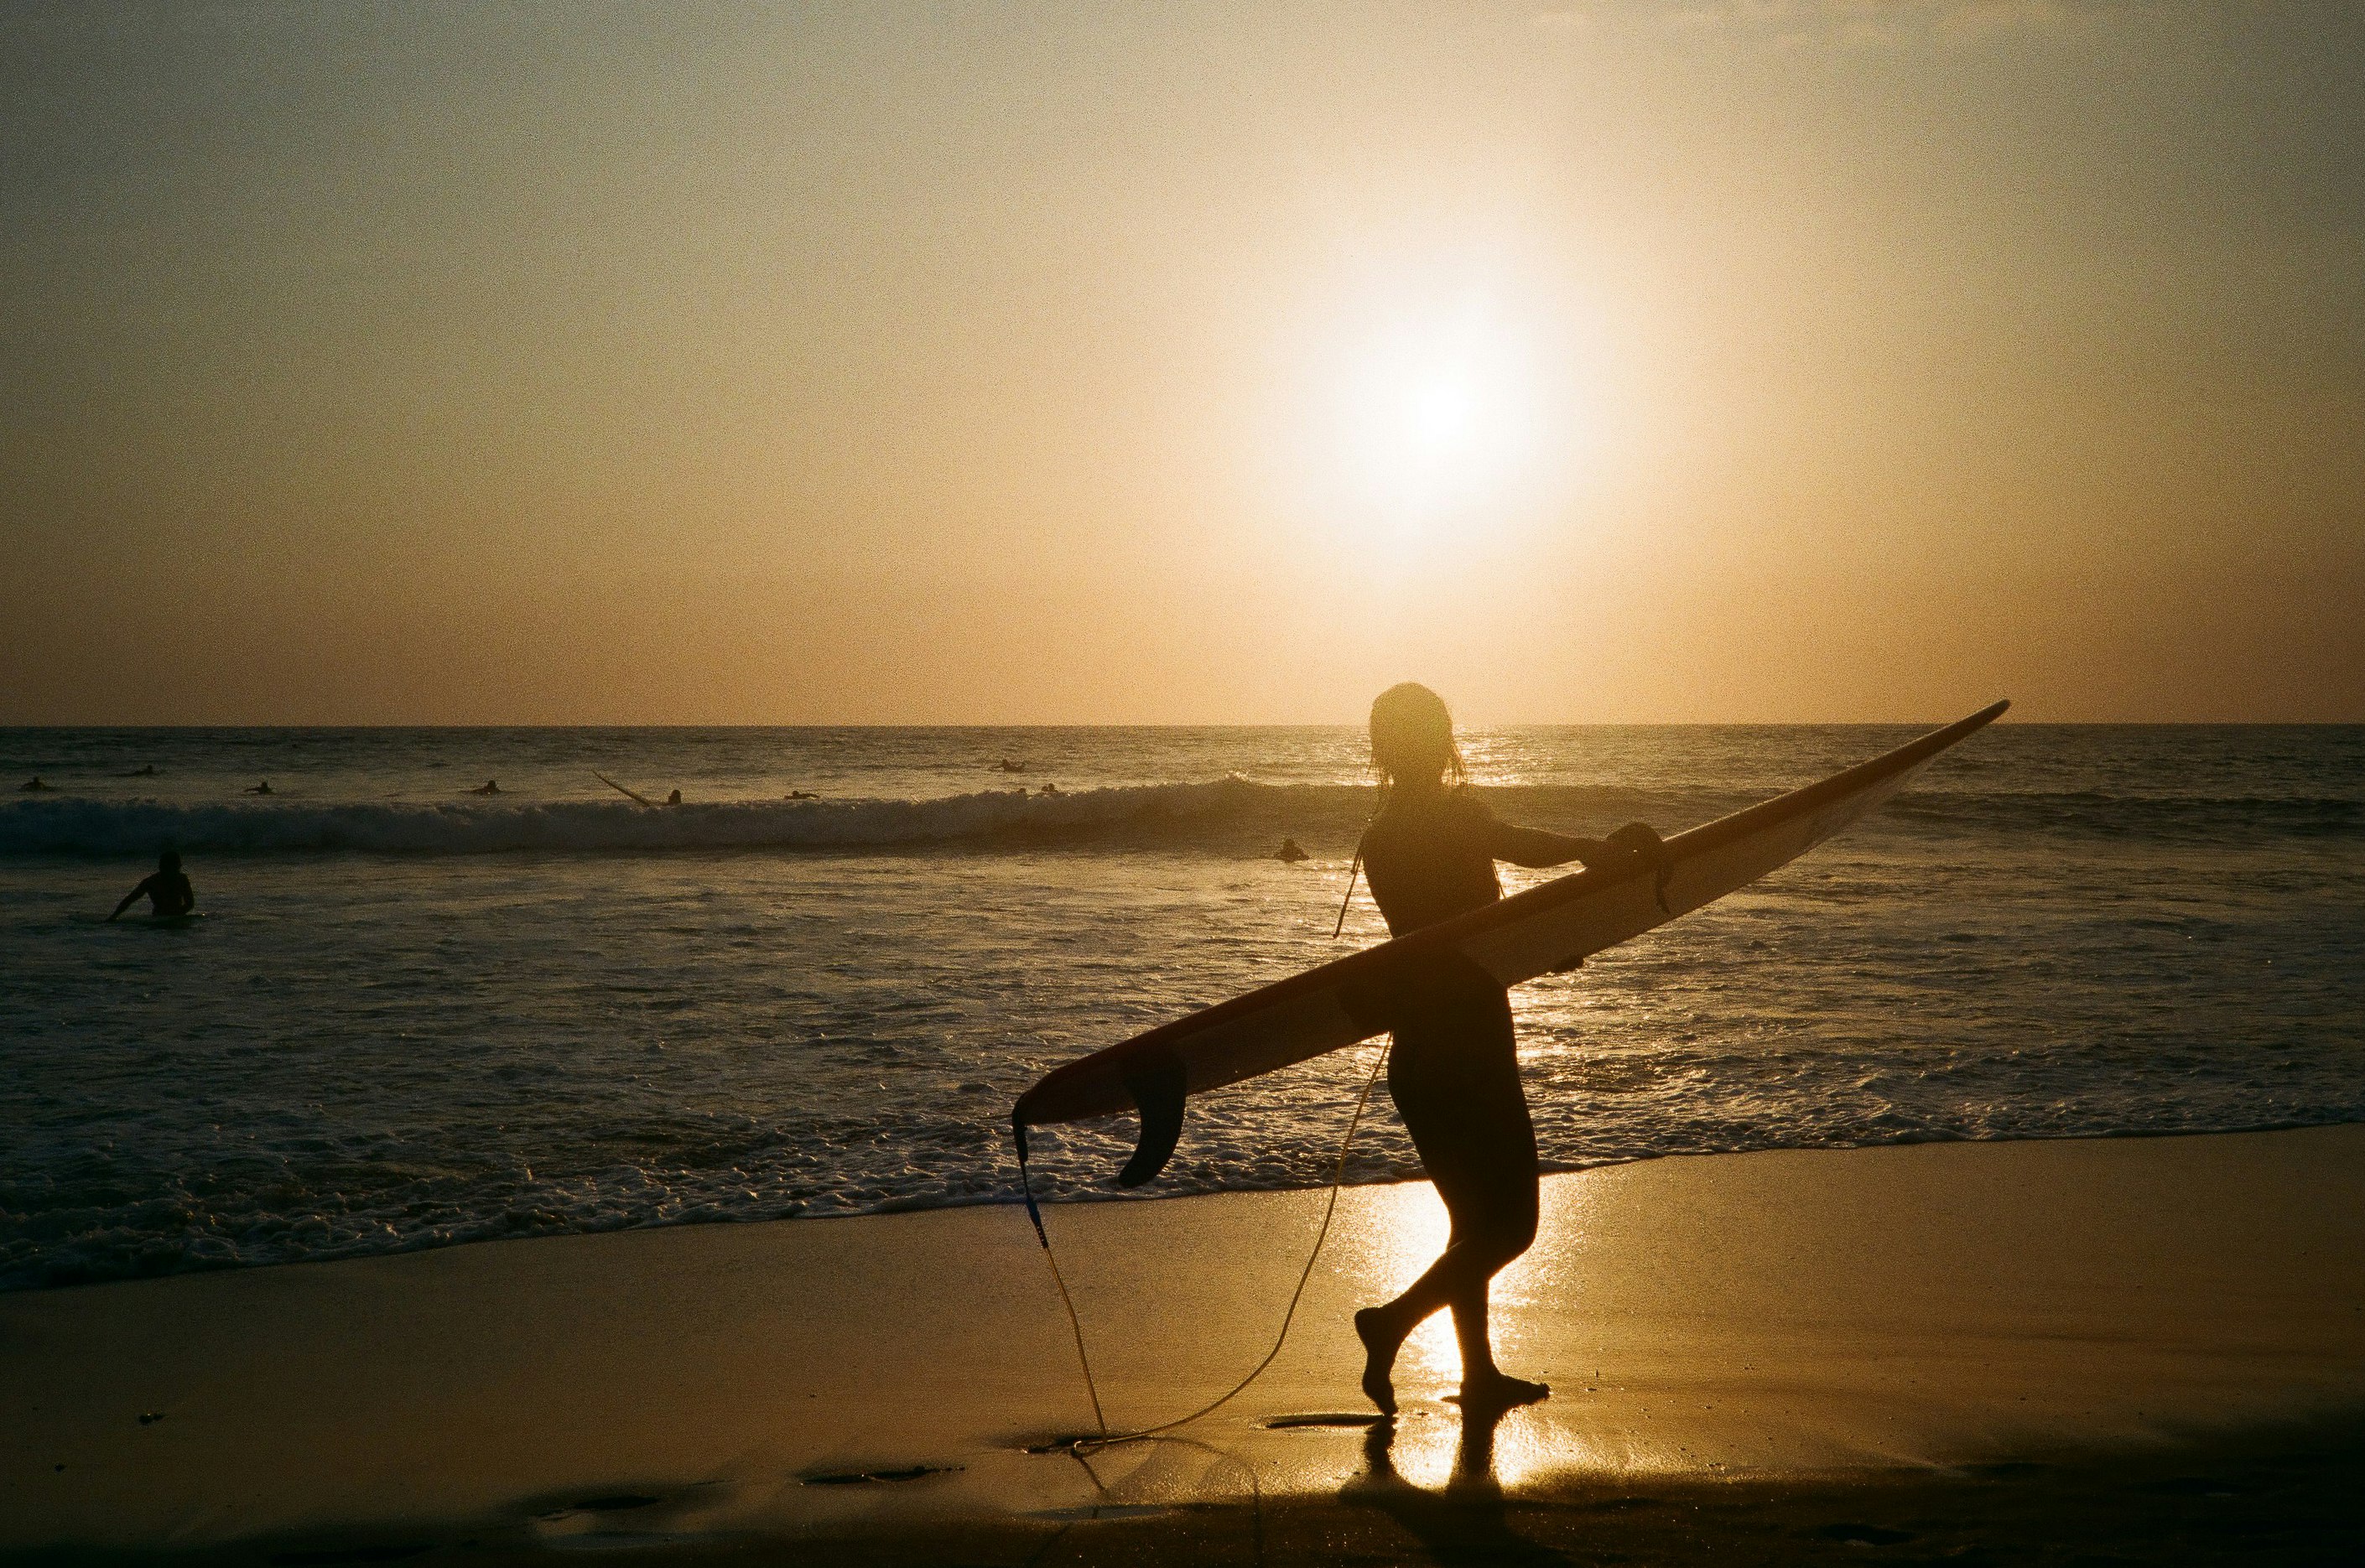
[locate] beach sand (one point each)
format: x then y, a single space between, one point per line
2150 1347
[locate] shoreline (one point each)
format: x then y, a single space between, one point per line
1054 1204
1786 1320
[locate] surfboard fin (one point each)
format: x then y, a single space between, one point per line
1157 1084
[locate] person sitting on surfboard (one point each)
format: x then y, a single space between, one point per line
168 891
1430 855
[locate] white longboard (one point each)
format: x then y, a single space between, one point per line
1518 939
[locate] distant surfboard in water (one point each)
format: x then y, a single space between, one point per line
620 790
1518 939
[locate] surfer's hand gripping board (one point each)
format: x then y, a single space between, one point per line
1554 926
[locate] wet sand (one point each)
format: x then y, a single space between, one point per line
2149 1346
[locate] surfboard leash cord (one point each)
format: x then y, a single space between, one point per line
1106 1438
1075 1324
1353 866
1356 865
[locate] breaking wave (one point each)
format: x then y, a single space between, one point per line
1222 813
95 828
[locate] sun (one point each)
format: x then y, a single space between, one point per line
1434 420
1429 416
1440 419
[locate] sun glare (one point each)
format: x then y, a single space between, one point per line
1434 419
1438 416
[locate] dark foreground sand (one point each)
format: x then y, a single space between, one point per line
2139 1351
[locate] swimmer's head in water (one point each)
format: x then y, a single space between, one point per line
1412 736
169 861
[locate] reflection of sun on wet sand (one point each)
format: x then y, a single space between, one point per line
1828 1342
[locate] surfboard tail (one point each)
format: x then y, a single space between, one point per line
1157 1081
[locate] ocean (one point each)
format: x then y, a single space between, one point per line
412 1015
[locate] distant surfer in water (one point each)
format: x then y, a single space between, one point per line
261 788
1452 1070
168 891
489 787
1290 851
37 782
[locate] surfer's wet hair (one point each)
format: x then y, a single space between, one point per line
1412 736
169 861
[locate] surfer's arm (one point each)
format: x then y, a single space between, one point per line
1536 847
132 897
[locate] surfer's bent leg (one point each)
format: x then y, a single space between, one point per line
1454 1076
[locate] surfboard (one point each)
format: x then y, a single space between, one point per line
620 790
1545 929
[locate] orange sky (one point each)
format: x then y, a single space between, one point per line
1740 360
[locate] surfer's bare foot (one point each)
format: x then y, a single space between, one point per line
1380 1346
1493 1392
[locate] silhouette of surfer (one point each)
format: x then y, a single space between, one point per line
800 795
1007 765
167 890
489 787
260 789
37 782
674 799
1452 1070
146 771
1290 852
1049 790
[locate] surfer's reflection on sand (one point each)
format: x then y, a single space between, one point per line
1467 1519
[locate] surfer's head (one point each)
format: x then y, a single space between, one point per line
1412 736
169 861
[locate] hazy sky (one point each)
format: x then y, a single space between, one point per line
709 364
